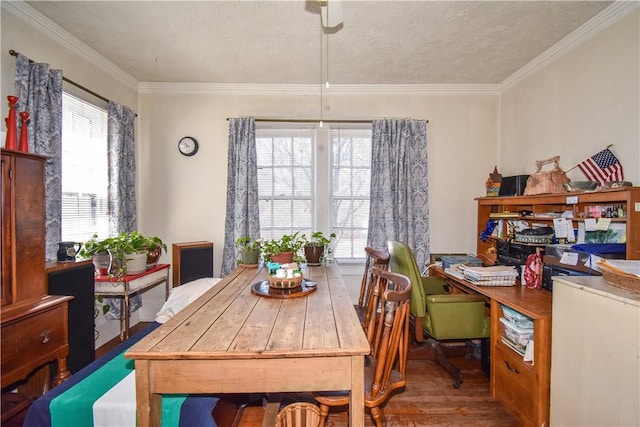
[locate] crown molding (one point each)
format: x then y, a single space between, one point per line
611 14
313 90
604 19
43 24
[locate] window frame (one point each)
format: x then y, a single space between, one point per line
322 199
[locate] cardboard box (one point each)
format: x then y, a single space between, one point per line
449 260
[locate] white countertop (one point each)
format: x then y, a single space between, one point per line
597 285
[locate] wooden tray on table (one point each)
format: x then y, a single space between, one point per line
264 290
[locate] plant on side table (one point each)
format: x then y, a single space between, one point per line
317 247
249 251
154 246
123 254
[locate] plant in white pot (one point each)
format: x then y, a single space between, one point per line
126 254
98 251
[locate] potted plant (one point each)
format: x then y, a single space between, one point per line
249 251
154 246
126 253
98 251
283 250
317 247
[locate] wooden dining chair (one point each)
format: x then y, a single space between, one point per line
299 414
385 369
374 258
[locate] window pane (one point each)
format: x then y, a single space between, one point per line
84 170
286 179
349 189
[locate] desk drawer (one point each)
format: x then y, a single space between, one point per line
514 382
29 339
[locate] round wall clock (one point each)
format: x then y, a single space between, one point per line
188 146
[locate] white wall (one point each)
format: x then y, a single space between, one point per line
183 199
577 105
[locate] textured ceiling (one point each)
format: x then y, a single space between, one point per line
278 42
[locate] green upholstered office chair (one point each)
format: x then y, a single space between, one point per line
439 315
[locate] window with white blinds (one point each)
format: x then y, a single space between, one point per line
312 178
350 183
84 170
286 180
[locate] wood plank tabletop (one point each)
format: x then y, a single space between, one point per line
229 321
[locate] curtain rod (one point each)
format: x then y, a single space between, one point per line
71 82
313 120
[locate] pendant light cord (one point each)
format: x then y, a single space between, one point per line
321 83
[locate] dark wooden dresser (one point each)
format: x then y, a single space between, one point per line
34 325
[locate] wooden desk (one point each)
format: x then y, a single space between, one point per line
523 387
124 287
232 341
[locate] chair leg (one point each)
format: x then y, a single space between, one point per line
324 413
432 350
378 416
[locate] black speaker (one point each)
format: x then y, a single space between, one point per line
191 261
76 280
513 185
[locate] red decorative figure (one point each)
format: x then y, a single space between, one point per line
12 133
24 136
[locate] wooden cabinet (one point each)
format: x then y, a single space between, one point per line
32 335
628 198
34 325
522 386
596 352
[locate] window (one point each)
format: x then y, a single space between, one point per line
286 174
350 183
84 170
312 178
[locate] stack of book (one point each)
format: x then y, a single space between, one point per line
499 275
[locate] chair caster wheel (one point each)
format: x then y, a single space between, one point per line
456 384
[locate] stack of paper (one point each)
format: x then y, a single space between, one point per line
499 275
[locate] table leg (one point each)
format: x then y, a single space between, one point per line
126 315
166 286
356 401
122 319
148 404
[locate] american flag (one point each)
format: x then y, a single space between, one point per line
602 167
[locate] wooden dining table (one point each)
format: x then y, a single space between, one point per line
234 340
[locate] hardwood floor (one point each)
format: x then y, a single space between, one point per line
429 399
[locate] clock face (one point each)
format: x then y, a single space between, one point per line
188 146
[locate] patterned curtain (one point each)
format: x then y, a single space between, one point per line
399 191
243 218
122 169
39 92
121 190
